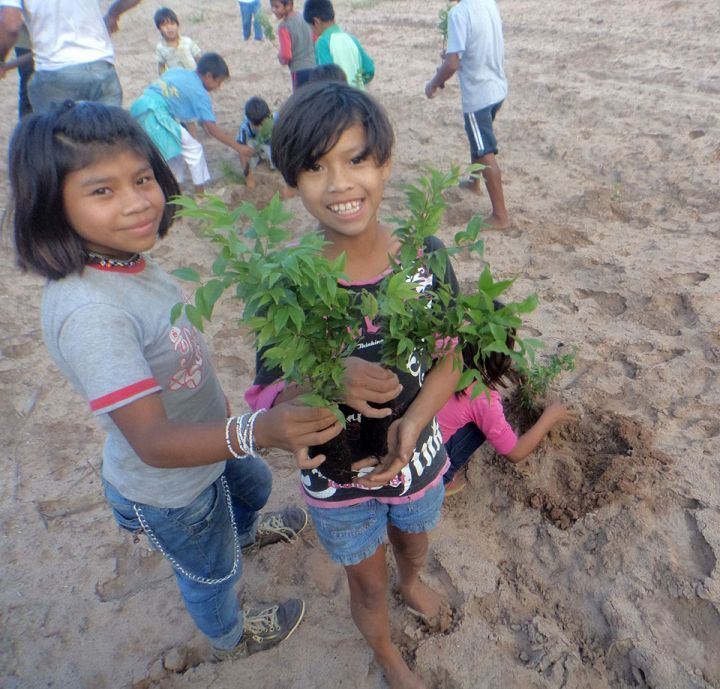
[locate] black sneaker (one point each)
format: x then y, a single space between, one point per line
274 527
265 629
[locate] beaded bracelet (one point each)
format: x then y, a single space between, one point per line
245 432
231 449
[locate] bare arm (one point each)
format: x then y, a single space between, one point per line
112 16
5 67
529 440
449 66
162 443
245 151
11 19
439 384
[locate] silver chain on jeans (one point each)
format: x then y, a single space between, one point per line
200 580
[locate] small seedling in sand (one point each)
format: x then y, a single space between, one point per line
537 379
231 174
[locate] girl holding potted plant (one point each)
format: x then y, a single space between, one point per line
333 144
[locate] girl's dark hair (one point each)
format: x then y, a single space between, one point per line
495 367
328 72
318 9
315 117
44 149
165 14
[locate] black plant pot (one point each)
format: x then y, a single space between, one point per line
359 440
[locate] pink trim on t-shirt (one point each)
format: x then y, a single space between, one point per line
125 393
400 500
487 415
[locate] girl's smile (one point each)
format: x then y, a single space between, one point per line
344 188
115 205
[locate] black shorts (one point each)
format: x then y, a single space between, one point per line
479 128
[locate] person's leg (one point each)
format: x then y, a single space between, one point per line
250 482
194 156
460 447
493 183
483 148
354 537
246 16
368 581
407 531
199 542
25 71
257 26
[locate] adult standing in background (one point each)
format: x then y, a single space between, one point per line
476 48
74 58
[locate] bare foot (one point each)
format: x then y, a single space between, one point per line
250 180
397 673
495 222
428 605
472 185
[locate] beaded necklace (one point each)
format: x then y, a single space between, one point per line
108 262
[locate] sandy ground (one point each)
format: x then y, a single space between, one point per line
592 565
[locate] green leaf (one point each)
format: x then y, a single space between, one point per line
176 312
188 274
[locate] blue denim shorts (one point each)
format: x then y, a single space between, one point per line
479 130
352 534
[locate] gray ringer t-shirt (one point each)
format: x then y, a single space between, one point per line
109 332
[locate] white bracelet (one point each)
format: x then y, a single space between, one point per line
227 437
245 432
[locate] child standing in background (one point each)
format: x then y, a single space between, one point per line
90 194
296 41
333 45
173 50
256 131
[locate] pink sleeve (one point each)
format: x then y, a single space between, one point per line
263 396
489 417
285 52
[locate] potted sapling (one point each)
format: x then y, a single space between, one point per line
303 321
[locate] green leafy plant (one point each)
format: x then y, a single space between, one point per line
267 25
263 135
305 323
231 174
442 25
538 377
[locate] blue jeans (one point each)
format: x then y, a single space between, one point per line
93 81
201 544
460 448
249 11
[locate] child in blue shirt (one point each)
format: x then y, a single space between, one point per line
255 131
168 109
